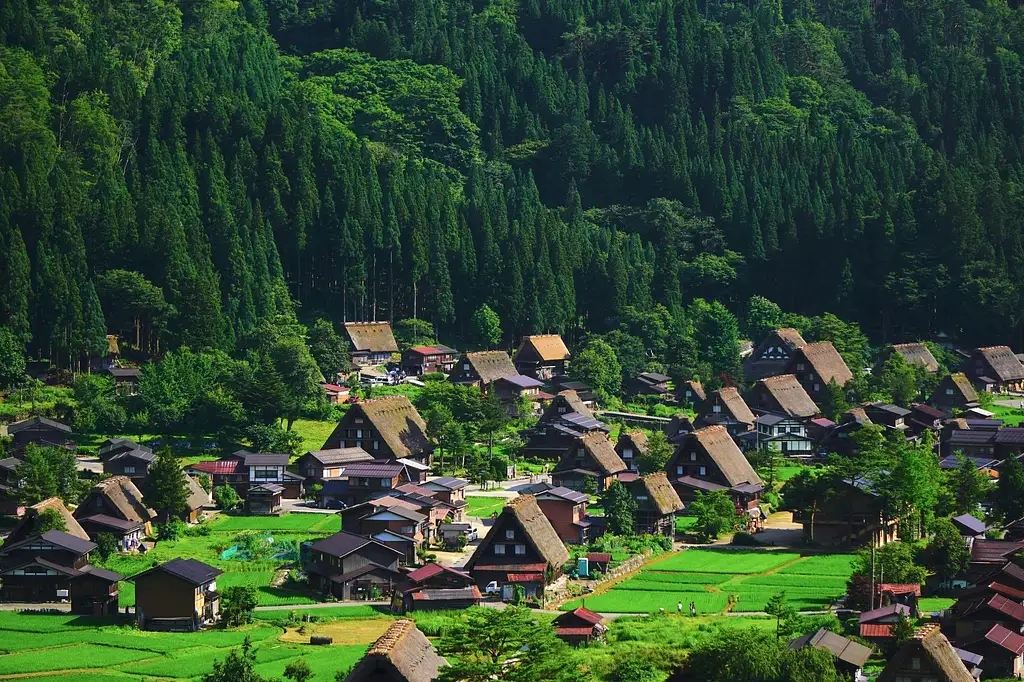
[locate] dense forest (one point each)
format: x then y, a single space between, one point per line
178 171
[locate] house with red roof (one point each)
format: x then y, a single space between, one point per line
579 626
434 587
1002 651
972 617
429 360
876 624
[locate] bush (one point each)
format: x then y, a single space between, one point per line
199 531
432 376
106 545
173 530
225 497
745 540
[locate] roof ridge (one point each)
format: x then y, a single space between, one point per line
390 639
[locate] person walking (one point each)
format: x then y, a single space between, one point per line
693 610
679 608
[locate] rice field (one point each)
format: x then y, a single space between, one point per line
291 523
48 648
484 506
720 580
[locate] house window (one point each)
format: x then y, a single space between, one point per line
499 549
561 409
716 409
949 391
679 471
627 453
129 469
376 445
688 394
915 663
465 366
641 498
703 471
817 387
359 433
264 473
385 483
358 420
693 456
510 534
800 366
520 549
409 530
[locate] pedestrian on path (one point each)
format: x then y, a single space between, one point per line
693 610
679 608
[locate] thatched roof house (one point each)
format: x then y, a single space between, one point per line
521 548
726 407
915 354
784 395
402 654
928 654
387 427
372 342
119 497
483 367
26 526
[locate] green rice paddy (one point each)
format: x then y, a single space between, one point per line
720 580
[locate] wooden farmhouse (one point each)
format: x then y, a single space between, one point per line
915 354
40 431
349 566
927 655
782 395
542 356
115 506
402 654
995 369
178 595
591 464
657 504
435 587
726 407
954 392
773 354
372 343
630 447
387 428
521 549
816 365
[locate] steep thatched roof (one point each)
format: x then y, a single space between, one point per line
402 654
568 399
371 337
547 347
721 448
734 404
26 526
491 365
935 655
601 450
637 438
826 361
791 337
661 492
789 396
395 419
917 354
964 385
855 414
197 497
525 512
123 495
1003 362
696 388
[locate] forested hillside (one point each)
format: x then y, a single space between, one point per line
182 169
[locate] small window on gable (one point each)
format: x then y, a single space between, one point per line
465 366
499 549
679 471
703 471
915 663
800 366
817 387
510 534
693 456
949 391
359 420
520 549
716 409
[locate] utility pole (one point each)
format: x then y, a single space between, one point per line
872 576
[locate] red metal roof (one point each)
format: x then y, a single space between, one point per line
875 630
526 577
587 615
336 388
1007 591
599 557
432 569
574 632
1007 639
220 466
900 589
427 350
1008 607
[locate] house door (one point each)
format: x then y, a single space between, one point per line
507 592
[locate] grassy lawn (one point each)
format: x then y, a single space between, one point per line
484 506
933 604
715 581
1011 416
313 433
80 649
685 524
